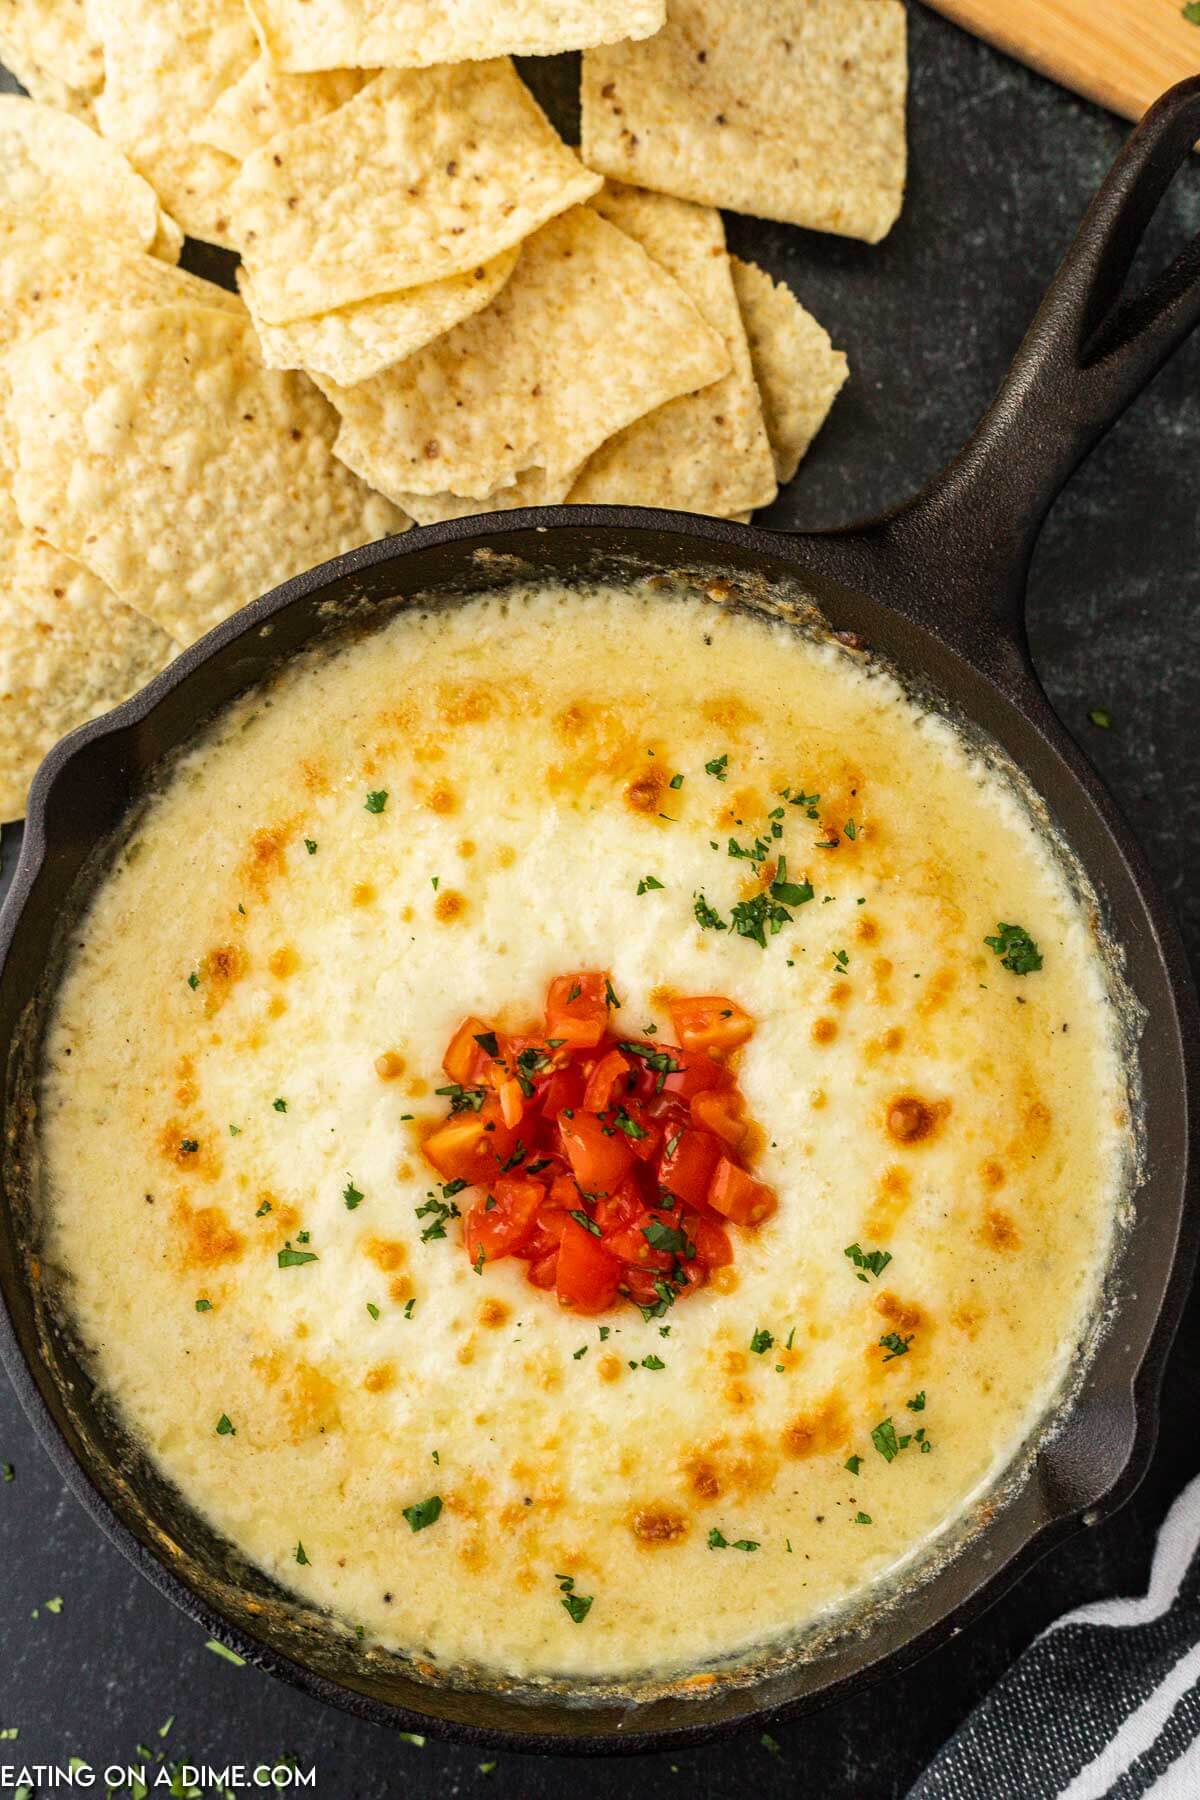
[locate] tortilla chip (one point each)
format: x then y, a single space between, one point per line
154 446
705 452
536 487
52 163
788 109
408 34
167 63
424 174
587 335
265 103
799 373
357 342
69 650
52 52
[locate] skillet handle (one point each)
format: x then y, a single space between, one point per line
968 538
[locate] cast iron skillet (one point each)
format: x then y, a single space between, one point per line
937 587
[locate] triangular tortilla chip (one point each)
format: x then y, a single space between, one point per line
52 163
154 446
404 34
706 452
69 650
799 373
787 109
588 334
426 173
167 63
266 102
356 342
53 53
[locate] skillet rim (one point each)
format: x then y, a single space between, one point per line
995 652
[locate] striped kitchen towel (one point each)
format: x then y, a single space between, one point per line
1105 1705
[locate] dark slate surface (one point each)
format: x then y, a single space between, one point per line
1002 165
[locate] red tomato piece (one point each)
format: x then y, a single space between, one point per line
599 1155
697 1072
686 1165
606 1082
720 1111
615 1211
512 1101
738 1196
587 1275
577 1009
562 1092
639 1285
710 1022
466 1061
713 1248
542 1272
646 1136
508 1224
470 1146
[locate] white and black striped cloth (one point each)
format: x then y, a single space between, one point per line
1105 1705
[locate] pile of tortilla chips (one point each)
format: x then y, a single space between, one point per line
442 308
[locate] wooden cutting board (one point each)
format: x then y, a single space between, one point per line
1122 53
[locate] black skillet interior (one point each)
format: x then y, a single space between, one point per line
936 590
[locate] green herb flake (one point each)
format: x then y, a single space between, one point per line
586 1221
302 1556
204 1306
488 1042
895 1345
862 1518
310 844
193 980
351 1195
376 800
648 884
577 1605
279 1105
885 1441
223 1651
408 1307
917 1403
761 1342
771 1745
263 1210
1015 948
372 1309
853 1463
676 781
581 1352
226 1426
718 1541
55 1605
412 1737
235 1131
1191 12
653 1362
292 1259
7 1472
425 1512
707 917
868 1262
719 767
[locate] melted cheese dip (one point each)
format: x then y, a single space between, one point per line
249 1035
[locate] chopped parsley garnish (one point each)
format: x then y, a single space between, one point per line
193 980
310 844
487 1042
676 781
577 1354
589 1224
376 800
279 1105
351 1195
424 1513
263 1210
854 1464
226 1426
463 1099
761 1342
790 893
1100 715
372 1309
862 1518
189 1146
885 1441
707 916
610 997
868 1262
235 1131
227 1655
653 1362
718 1541
751 918
301 1556
578 1605
1015 948
1191 12
756 852
630 1127
647 884
658 1060
204 1306
917 1403
439 1212
719 766
292 1259
477 1265
408 1308
895 1345
667 1239
841 959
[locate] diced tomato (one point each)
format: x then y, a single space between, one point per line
614 1211
646 1136
542 1272
720 1111
639 1285
713 1248
577 1009
686 1165
587 1274
710 1022
512 1102
508 1223
563 1090
599 1155
697 1071
738 1196
466 1061
470 1146
606 1080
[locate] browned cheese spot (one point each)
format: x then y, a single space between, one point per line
388 1254
493 1313
449 906
208 1237
824 1031
220 969
390 1066
911 1120
904 1315
362 893
283 962
999 1230
380 1378
645 793
817 1431
656 1525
